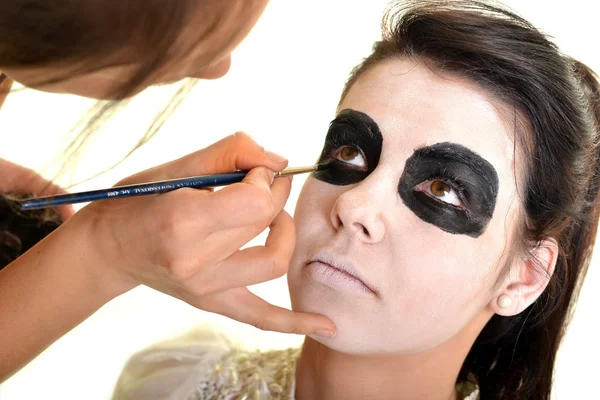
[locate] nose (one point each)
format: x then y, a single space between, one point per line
216 70
358 213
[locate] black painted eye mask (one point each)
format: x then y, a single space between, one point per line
469 179
445 184
356 130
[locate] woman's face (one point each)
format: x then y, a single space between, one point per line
417 203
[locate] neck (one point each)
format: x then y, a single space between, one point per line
324 373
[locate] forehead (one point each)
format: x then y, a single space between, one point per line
416 106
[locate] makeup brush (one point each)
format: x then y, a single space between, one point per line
143 189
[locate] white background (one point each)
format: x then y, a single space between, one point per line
283 89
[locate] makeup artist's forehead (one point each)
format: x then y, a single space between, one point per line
415 106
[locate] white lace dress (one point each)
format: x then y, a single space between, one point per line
204 365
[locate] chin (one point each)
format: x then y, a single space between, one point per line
354 324
363 328
353 341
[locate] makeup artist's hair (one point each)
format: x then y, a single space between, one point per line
558 99
84 36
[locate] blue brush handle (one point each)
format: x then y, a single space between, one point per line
196 182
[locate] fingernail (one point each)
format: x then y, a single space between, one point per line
325 333
274 156
271 175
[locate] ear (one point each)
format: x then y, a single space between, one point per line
526 280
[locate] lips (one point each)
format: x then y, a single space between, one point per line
342 266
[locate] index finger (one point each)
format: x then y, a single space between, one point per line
235 152
244 306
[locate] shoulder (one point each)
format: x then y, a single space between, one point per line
204 364
171 369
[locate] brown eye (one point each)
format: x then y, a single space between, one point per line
348 153
351 155
441 191
440 188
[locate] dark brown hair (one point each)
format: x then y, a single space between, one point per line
559 99
21 230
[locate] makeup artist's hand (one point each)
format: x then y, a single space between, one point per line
186 243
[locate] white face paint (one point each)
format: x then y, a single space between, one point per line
417 285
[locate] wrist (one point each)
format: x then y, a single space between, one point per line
97 263
48 291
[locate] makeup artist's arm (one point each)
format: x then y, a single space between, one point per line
28 289
184 243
